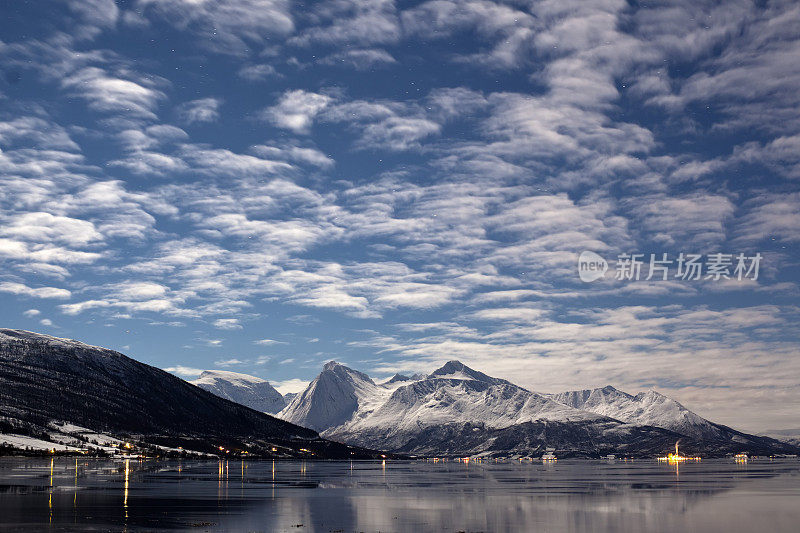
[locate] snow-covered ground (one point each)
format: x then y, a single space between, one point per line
22 442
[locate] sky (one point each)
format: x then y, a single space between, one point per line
261 186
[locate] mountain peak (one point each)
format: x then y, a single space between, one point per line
451 367
652 393
332 398
330 365
458 370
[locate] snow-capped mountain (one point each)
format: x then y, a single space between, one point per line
644 409
454 410
789 436
399 380
458 410
254 392
45 380
453 394
460 371
333 398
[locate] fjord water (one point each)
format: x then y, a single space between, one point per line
65 494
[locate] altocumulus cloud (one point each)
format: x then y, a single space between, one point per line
412 181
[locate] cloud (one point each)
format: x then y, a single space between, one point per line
365 59
697 220
632 347
43 133
220 161
770 216
139 290
154 305
103 13
184 371
32 312
295 234
383 124
225 26
267 342
145 162
290 385
79 307
38 292
295 153
258 72
362 23
510 314
464 195
780 155
510 31
229 362
296 110
398 133
441 19
42 227
227 323
107 93
200 110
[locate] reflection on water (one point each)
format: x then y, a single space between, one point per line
64 494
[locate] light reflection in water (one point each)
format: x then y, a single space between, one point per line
75 496
50 499
571 496
127 476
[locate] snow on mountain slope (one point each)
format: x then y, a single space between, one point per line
20 335
289 396
334 397
436 401
254 392
458 410
453 394
398 380
458 370
645 409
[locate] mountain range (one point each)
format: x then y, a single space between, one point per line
457 410
51 386
61 394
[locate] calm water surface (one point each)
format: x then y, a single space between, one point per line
63 494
